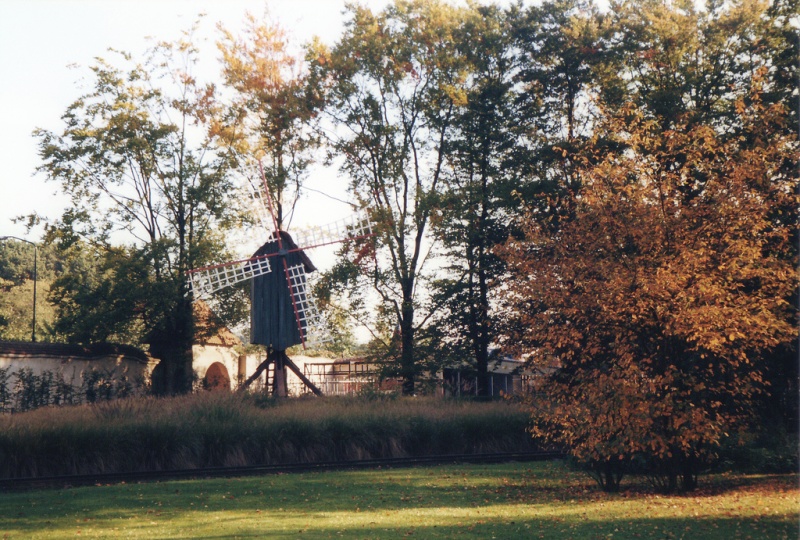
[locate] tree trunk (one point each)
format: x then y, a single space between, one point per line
481 335
172 344
689 480
407 368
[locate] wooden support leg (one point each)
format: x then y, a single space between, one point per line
259 370
311 386
279 385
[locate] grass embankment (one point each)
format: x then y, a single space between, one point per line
219 429
541 500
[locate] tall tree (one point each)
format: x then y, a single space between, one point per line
777 45
558 46
682 64
389 88
136 161
270 115
651 312
472 214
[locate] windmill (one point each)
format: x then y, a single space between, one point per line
282 310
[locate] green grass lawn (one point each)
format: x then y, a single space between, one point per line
527 500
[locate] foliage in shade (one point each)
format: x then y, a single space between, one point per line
30 390
472 207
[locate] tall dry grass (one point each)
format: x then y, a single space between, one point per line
219 429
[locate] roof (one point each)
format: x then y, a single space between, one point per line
209 330
270 247
89 352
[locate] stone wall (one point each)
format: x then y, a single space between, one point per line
38 374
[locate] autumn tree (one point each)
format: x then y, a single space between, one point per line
649 315
686 64
390 88
270 112
142 174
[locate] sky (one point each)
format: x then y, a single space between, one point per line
46 46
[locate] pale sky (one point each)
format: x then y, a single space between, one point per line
40 39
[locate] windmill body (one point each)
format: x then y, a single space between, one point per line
273 317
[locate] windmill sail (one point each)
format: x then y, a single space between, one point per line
358 225
282 311
308 316
207 280
259 206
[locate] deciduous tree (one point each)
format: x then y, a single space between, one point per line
390 88
683 64
269 117
650 313
140 170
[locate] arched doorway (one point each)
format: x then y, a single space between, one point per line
217 377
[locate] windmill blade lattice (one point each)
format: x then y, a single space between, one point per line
210 279
358 225
260 206
312 325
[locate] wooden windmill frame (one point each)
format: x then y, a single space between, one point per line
279 284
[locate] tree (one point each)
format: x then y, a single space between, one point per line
560 55
558 46
778 45
16 289
682 64
649 314
473 208
390 88
271 113
139 168
99 291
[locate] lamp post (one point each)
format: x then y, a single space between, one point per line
35 275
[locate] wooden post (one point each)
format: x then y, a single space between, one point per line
241 373
279 384
311 386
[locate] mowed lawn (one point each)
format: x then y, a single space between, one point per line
517 500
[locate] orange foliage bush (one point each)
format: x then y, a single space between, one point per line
648 309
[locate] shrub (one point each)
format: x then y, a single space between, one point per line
31 391
772 451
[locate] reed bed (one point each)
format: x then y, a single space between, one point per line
219 429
